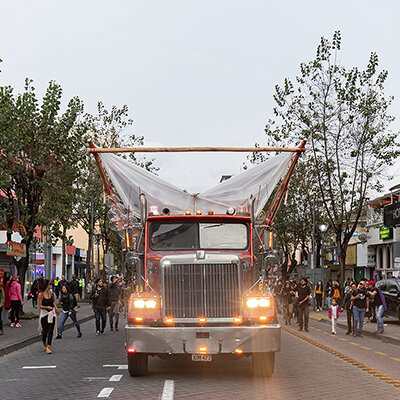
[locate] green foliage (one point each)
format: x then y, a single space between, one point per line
343 114
41 154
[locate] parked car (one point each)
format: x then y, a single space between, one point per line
391 290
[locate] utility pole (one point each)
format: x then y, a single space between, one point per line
313 264
91 237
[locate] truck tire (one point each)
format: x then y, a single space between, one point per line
263 364
138 364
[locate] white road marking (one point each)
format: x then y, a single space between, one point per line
40 367
115 378
105 392
95 378
119 366
168 391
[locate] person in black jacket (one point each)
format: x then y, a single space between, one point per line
101 302
115 293
69 304
74 287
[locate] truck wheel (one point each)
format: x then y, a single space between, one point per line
263 364
138 364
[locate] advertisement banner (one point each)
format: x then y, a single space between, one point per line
16 249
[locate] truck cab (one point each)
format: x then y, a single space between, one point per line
199 295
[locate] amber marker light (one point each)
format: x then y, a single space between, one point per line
187 212
262 318
210 212
237 320
202 320
238 351
169 320
198 212
138 319
202 349
131 350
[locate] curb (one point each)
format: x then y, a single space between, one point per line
382 338
37 338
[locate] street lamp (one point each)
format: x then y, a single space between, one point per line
323 228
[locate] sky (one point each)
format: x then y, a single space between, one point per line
193 73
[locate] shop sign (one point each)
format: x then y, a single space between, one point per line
351 255
16 249
391 215
385 233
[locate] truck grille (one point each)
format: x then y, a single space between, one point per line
207 290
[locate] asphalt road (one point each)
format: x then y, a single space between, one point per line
95 366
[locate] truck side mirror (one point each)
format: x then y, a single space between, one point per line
143 208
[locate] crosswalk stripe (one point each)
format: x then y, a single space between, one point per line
105 392
168 390
116 378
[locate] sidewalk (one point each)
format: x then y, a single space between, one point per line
392 327
16 338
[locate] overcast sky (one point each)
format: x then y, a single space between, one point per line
193 73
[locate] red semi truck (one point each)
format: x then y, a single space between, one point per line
200 290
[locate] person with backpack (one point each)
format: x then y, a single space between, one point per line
68 302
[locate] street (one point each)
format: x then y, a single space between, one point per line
95 367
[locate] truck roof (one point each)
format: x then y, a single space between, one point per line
199 218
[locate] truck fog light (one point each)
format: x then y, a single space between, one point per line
264 302
139 303
238 351
202 320
169 320
237 320
262 318
138 319
252 303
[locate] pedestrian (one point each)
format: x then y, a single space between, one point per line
68 302
295 304
57 287
34 292
126 293
2 300
336 294
319 294
287 301
333 314
380 304
303 295
89 288
359 297
115 294
348 306
48 312
74 287
101 302
277 293
63 282
14 294
80 287
329 292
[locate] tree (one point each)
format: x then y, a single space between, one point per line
108 128
40 158
343 113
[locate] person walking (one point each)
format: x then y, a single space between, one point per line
359 297
333 314
2 301
380 304
69 304
303 295
57 287
80 287
277 293
63 282
35 293
319 294
74 288
48 311
287 301
89 288
101 302
14 293
348 306
115 294
336 293
329 292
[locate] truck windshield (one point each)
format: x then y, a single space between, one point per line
192 235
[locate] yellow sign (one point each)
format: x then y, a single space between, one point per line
351 255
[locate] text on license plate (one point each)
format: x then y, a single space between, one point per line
201 357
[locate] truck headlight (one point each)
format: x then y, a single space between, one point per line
139 303
151 304
252 303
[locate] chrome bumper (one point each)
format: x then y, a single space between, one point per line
219 340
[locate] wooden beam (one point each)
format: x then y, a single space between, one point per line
192 149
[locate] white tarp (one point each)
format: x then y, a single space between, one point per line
130 180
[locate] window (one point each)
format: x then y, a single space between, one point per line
193 235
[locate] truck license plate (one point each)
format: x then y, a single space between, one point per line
201 357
